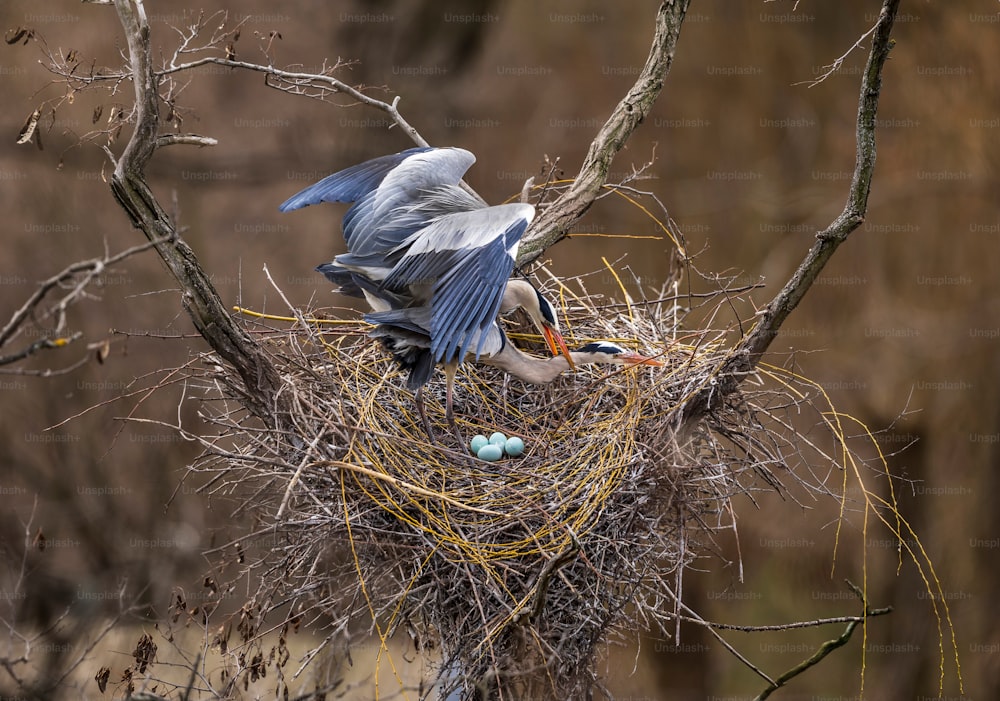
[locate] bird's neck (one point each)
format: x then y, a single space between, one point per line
518 293
526 367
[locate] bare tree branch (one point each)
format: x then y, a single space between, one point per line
78 278
553 223
200 298
827 647
748 352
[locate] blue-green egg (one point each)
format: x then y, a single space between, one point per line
514 446
491 452
498 439
477 442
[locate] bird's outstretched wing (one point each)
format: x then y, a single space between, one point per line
465 259
383 190
350 184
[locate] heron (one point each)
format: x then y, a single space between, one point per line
417 240
518 294
404 329
434 262
416 232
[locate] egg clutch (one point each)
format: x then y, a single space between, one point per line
496 446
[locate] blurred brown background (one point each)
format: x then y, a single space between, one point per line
749 161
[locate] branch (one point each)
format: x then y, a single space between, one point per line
748 352
824 650
871 613
302 83
40 344
200 299
189 139
537 599
89 269
835 66
553 223
827 647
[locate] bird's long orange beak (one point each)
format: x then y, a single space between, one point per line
636 359
557 345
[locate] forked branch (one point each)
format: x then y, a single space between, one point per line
553 223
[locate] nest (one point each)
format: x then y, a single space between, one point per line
512 572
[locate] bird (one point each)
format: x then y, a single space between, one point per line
544 370
519 294
405 333
417 233
410 345
421 247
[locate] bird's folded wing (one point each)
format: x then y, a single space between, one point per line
467 259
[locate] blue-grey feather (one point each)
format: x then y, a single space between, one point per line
350 184
433 256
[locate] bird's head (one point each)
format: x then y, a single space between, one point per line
612 353
521 293
548 324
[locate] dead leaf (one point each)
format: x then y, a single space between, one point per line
103 351
24 136
26 33
102 678
145 651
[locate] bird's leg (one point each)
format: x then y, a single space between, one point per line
450 371
419 398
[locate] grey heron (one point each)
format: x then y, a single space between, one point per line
423 238
518 294
417 240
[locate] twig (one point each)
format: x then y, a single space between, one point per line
295 477
298 82
41 344
824 650
89 269
725 643
791 626
190 139
835 66
542 585
827 647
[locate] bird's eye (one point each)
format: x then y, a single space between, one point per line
545 307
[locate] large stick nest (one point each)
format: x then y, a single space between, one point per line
516 570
